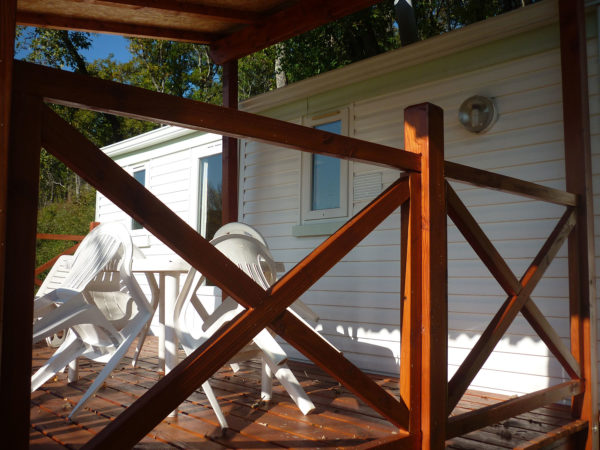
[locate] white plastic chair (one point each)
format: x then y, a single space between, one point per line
100 304
247 249
54 280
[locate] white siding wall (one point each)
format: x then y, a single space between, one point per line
358 300
172 176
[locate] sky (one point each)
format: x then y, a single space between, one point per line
103 44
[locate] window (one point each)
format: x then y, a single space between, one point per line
325 178
209 195
139 175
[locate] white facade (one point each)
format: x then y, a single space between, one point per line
171 159
514 59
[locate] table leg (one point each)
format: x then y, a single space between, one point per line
161 322
171 344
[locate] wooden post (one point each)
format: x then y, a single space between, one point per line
582 292
8 11
411 277
17 324
230 147
424 134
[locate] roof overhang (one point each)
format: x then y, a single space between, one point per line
232 28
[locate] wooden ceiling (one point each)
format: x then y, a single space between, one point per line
232 28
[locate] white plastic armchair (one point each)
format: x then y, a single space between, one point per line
244 246
55 278
100 304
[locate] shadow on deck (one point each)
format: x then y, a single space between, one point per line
340 420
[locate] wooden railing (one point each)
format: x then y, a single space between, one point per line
425 200
69 251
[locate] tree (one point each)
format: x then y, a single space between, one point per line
175 68
336 44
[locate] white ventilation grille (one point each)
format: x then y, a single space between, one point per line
367 186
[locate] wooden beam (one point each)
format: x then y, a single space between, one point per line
582 292
17 314
66 22
8 11
490 257
398 441
147 411
230 147
555 435
189 9
424 134
411 313
491 180
504 317
488 415
85 159
79 91
300 17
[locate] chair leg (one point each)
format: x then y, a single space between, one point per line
292 386
154 306
212 399
270 347
73 374
105 372
266 382
67 352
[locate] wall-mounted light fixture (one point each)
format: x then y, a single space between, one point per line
478 113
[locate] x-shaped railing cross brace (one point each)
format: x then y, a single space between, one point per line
518 295
265 308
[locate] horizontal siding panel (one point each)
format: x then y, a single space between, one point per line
269 193
351 300
358 285
272 180
489 304
517 230
274 204
364 317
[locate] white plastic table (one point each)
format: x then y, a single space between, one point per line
168 270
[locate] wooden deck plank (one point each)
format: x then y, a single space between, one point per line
341 420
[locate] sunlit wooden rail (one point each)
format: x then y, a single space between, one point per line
421 413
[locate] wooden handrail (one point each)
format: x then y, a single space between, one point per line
79 91
479 418
59 237
503 183
69 251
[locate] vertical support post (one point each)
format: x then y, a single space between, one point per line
8 14
582 292
424 134
230 146
17 326
411 279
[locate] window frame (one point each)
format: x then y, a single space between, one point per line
308 214
198 154
138 167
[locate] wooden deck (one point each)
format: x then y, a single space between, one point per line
340 420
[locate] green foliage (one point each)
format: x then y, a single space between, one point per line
440 16
352 38
176 68
257 73
72 216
